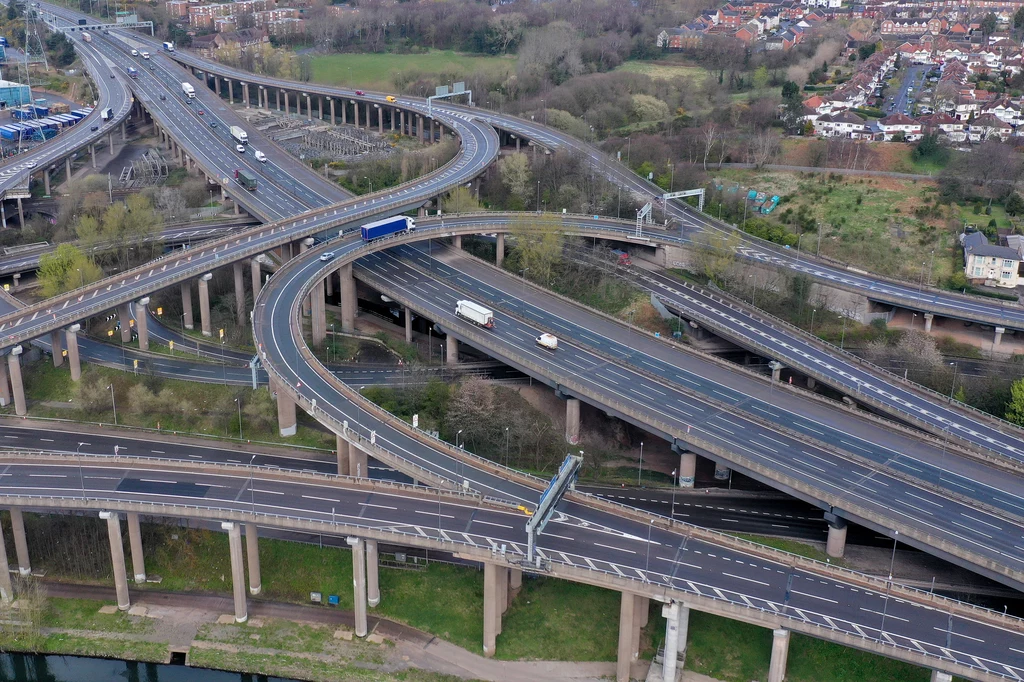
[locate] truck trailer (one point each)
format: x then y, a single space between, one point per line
86 36
246 179
382 228
189 91
475 313
133 72
168 46
241 137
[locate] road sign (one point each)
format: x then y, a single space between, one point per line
559 485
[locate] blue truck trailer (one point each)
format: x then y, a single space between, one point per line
382 228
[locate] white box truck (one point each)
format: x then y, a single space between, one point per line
189 91
168 47
241 137
549 341
475 313
145 55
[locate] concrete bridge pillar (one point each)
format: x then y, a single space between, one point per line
238 269
110 143
722 471
21 214
811 383
245 94
286 422
17 386
358 466
457 241
309 107
237 570
393 115
330 103
285 93
20 542
835 545
252 553
687 469
343 456
277 96
671 613
204 304
776 368
6 589
142 322
432 138
939 676
368 122
56 348
3 214
380 118
344 112
572 421
257 278
995 341
419 127
780 652
372 577
46 182
71 337
499 254
186 304
92 154
124 316
318 314
117 559
359 583
348 298
320 107
408 325
216 84
260 94
401 122
452 350
928 317
124 131
67 169
492 610
231 90
627 625
135 544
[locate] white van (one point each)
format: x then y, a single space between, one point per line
260 156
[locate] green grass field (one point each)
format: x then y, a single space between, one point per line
664 71
381 71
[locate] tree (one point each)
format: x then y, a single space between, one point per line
538 241
715 255
459 200
790 91
12 11
988 24
504 32
647 108
1015 406
764 146
1018 19
514 170
760 78
65 269
130 230
1014 204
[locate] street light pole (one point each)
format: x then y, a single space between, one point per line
112 403
239 401
252 492
952 386
641 470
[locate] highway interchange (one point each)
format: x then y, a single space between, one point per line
276 308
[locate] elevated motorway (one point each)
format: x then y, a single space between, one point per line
664 561
851 467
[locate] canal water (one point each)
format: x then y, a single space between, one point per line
34 668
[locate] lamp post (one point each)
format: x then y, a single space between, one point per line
640 471
112 403
81 473
368 184
252 492
952 386
506 446
239 401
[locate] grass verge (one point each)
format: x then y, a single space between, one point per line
383 71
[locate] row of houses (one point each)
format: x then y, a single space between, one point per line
901 127
781 25
227 16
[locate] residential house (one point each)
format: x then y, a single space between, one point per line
988 127
988 264
841 124
945 125
898 124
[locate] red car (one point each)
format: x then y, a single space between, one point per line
360 92
201 112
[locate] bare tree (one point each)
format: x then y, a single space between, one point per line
764 146
710 136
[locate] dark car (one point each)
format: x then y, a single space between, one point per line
94 128
112 76
213 124
163 98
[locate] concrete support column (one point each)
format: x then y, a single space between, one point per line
231 91
624 660
124 131
46 182
21 214
348 298
20 542
67 169
286 421
277 96
204 304
684 630
186 304
285 93
811 383
572 421
56 348
237 570
344 112
372 578
780 652
245 94
257 278
6 590
252 554
124 316
492 615
928 317
835 545
71 336
135 544
343 456
499 255
671 613
261 92
355 112
401 122
368 123
5 385
640 615
357 464
239 269
142 322
939 676
359 583
3 214
457 241
117 559
452 350
330 102
320 107
432 138
17 386
380 120
92 154
776 368
216 84
408 326
995 342
309 108
318 314
110 143
687 469
722 471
